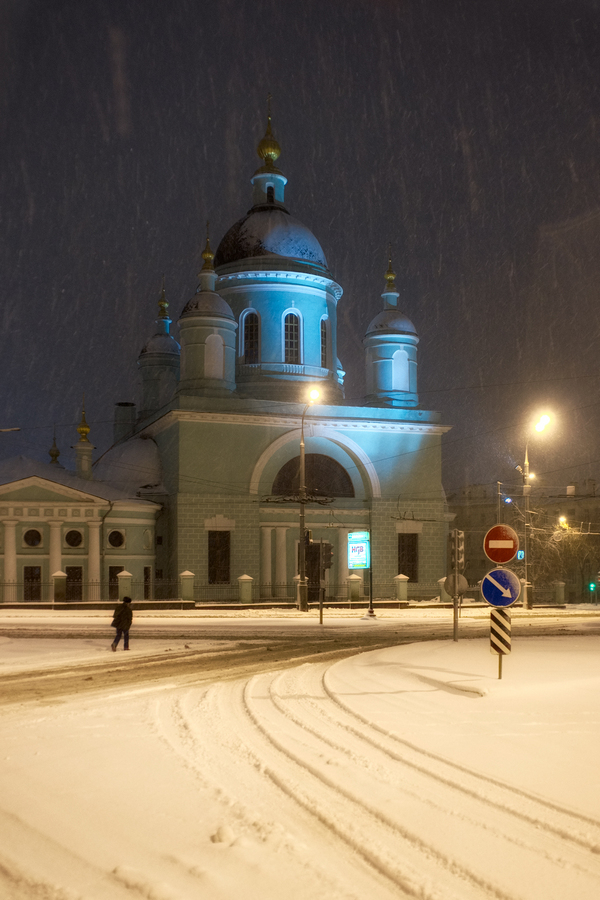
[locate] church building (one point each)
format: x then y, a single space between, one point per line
204 473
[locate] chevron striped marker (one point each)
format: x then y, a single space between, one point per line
500 631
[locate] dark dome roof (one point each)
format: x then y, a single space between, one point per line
272 232
207 303
391 321
161 343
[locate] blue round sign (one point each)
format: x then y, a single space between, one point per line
500 587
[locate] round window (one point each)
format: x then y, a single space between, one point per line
32 537
73 538
116 539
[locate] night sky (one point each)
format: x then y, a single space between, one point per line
466 133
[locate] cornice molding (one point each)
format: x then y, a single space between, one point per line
357 426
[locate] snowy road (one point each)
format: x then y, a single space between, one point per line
409 771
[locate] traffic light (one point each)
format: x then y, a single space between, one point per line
326 555
457 551
592 585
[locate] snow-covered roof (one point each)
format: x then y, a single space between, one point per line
270 232
18 468
207 303
131 466
391 321
162 343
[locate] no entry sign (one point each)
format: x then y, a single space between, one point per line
501 544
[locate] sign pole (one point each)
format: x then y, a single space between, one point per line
500 658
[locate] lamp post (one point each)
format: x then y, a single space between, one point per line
302 586
527 476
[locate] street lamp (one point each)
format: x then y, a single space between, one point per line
527 479
302 586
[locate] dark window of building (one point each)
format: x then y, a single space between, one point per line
292 338
113 582
408 556
270 194
158 539
116 539
159 574
219 553
147 582
74 584
251 339
324 477
32 537
323 343
73 538
32 586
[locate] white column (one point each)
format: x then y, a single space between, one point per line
280 559
10 560
265 561
93 578
55 551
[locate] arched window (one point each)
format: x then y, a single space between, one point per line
325 477
400 376
251 338
214 357
270 194
324 343
291 338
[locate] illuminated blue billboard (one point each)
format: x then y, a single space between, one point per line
359 550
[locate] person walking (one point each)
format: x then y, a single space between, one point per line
122 622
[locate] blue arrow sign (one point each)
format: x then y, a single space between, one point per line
500 587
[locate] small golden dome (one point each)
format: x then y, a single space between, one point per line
208 255
162 303
83 428
390 275
268 149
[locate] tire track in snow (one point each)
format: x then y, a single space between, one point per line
565 824
485 799
583 865
203 733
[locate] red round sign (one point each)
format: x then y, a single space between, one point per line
501 543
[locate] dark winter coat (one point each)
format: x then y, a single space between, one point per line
123 617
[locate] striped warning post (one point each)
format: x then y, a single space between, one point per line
500 631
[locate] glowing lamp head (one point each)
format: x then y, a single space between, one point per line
562 522
545 420
313 395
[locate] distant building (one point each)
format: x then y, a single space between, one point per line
204 476
565 534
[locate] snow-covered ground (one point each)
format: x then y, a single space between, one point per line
405 772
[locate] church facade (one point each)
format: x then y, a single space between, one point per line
203 477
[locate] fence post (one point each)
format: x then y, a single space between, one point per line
559 592
297 590
124 579
444 597
353 582
245 583
401 587
59 580
186 580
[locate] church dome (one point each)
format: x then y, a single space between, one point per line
161 343
391 321
269 232
207 303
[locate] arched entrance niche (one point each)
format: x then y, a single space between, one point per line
319 440
325 477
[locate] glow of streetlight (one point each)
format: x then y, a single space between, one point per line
314 394
545 420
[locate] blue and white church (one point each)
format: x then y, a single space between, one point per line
203 476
